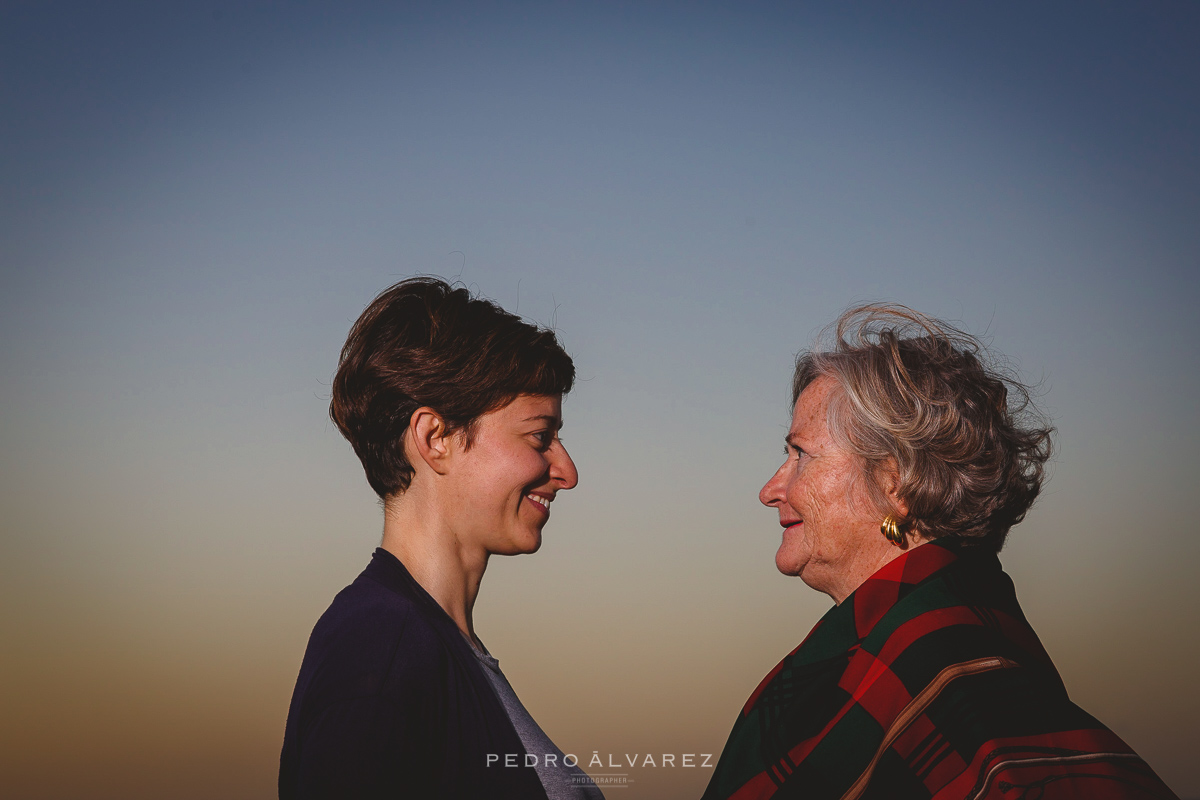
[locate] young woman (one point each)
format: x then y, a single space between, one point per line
453 406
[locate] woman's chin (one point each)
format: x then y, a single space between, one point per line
790 562
528 545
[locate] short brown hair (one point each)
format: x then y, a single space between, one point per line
423 342
968 443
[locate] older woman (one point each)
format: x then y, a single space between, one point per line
908 461
453 406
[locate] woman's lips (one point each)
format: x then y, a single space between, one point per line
540 502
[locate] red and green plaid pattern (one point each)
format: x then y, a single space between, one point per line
927 682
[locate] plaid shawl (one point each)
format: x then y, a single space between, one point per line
927 682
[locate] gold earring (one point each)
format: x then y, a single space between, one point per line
891 530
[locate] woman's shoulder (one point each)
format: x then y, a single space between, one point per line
966 613
366 612
374 640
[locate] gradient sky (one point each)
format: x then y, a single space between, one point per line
198 199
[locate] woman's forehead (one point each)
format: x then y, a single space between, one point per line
813 403
810 423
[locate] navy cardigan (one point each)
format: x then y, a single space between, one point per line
391 702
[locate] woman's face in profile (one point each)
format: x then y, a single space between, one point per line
827 518
504 483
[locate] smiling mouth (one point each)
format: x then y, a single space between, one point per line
542 502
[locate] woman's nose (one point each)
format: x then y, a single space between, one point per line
772 491
562 468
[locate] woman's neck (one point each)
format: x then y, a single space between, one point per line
417 533
876 554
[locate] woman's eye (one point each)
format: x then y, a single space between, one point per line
545 438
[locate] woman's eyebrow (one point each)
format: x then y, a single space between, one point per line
550 418
793 440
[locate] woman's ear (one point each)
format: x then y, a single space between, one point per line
428 440
889 481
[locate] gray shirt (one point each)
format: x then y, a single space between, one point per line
561 781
